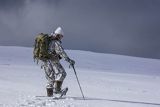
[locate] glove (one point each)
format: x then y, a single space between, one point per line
72 62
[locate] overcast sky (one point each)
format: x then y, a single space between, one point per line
127 27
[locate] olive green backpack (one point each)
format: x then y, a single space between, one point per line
41 46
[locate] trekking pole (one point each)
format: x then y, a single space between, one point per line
78 81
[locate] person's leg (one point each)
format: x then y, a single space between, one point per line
50 76
59 78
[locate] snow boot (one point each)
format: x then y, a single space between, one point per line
57 87
49 92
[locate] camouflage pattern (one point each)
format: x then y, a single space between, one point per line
54 71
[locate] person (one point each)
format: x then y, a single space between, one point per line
54 71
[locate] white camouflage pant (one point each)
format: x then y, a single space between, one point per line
54 71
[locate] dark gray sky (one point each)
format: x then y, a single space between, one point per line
128 27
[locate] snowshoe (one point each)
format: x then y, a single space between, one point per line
61 93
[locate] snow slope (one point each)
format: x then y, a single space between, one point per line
107 80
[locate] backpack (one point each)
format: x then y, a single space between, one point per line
41 47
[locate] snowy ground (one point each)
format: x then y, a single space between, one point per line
107 80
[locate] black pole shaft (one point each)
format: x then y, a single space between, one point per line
78 82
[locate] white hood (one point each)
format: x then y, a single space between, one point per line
59 31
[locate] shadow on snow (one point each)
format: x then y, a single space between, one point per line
123 101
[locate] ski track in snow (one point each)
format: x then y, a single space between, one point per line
75 102
107 80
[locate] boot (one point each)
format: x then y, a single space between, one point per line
49 92
57 86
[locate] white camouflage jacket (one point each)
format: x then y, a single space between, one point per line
55 46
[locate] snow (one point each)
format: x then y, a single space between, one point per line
107 80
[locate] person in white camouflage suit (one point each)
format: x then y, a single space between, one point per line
54 71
